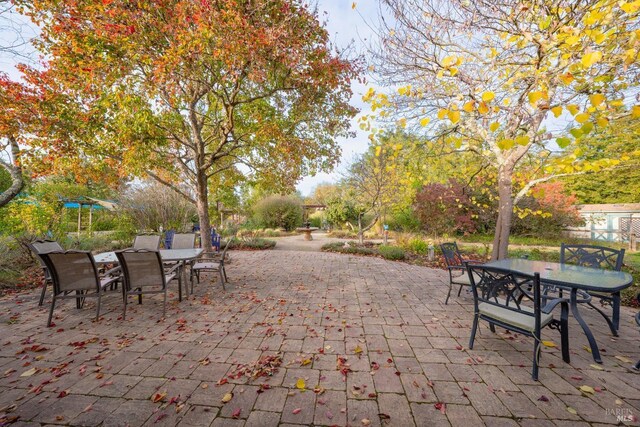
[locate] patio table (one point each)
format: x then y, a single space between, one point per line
575 278
167 255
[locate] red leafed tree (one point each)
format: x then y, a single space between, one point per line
184 91
445 208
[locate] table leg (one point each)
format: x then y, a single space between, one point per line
595 352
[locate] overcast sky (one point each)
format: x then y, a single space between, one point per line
346 27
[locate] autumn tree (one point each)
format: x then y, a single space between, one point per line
183 91
371 186
490 77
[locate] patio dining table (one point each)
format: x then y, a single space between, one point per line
575 278
168 255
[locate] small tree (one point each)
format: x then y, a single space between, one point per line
151 206
445 209
279 212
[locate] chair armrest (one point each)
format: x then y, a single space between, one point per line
548 308
115 270
472 262
456 267
172 269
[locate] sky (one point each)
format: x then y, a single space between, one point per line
346 26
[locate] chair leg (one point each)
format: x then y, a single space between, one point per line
124 311
564 333
98 309
492 327
460 290
473 331
140 296
164 304
536 358
53 303
44 291
448 294
637 366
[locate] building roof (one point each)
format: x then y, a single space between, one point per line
610 208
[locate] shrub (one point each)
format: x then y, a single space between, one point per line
445 209
418 246
278 212
254 243
391 252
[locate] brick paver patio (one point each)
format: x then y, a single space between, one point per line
363 341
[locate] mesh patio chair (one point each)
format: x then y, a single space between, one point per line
168 238
456 266
144 273
74 274
150 242
213 263
512 301
40 247
597 257
183 241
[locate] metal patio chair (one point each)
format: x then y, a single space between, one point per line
74 275
144 273
637 365
150 242
39 247
512 301
213 263
183 241
597 257
455 264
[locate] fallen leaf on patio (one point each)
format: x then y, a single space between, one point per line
597 367
157 397
300 384
624 359
619 402
318 390
29 372
296 411
441 406
576 377
204 385
88 408
222 381
329 415
59 417
357 350
227 397
161 417
571 410
543 398
305 362
365 421
384 417
372 395
459 347
236 413
549 344
106 383
587 389
598 389
63 393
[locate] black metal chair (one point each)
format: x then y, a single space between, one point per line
74 274
213 263
455 264
512 301
597 257
637 365
144 273
39 247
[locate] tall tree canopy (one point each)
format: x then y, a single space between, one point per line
184 91
486 77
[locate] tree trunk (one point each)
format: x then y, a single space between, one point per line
360 232
202 205
505 212
15 170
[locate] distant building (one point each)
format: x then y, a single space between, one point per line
611 221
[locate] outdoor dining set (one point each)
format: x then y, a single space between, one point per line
522 295
140 270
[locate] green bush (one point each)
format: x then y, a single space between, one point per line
278 212
351 248
254 243
391 252
418 246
